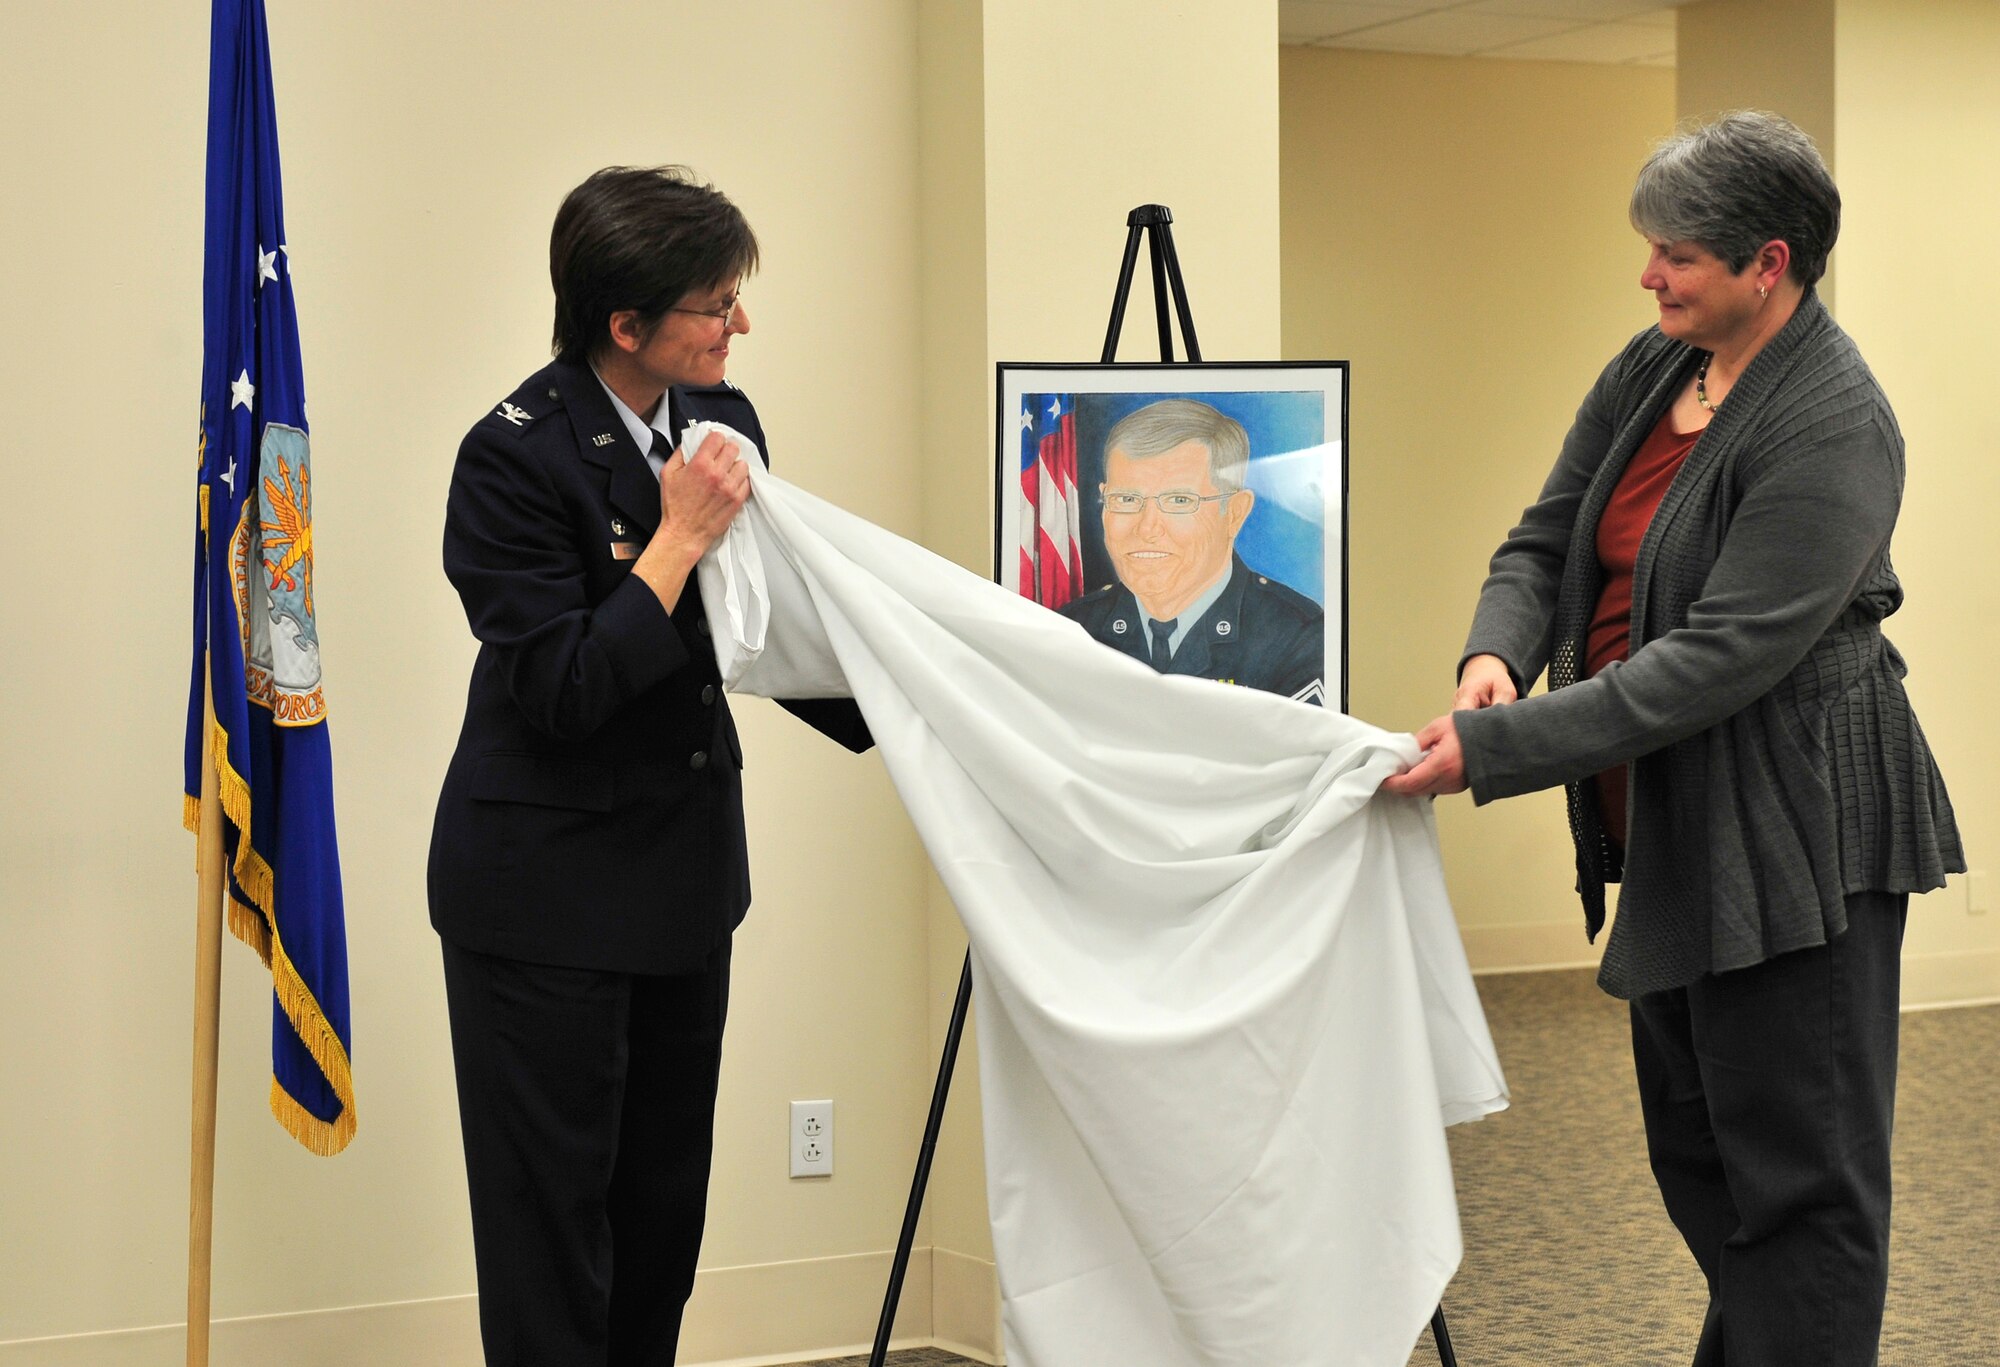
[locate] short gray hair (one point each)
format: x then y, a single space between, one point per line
1736 183
1159 427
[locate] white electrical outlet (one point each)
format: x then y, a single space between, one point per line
812 1139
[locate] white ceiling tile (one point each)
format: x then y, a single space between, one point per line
1582 11
1304 21
1655 18
1640 30
1454 32
1592 43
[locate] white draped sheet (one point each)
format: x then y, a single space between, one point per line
1224 1013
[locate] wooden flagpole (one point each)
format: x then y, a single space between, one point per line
207 1015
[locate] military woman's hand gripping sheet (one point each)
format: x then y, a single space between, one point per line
1224 1013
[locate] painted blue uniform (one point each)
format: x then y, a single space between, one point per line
1257 634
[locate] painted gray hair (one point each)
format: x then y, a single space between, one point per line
1734 184
1159 427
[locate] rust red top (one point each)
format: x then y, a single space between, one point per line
1619 532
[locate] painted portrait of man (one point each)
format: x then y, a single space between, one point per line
1174 499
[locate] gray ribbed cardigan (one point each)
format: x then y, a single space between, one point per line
1776 764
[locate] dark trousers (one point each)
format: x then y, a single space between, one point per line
587 1104
1769 1095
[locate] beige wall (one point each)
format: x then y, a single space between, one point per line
1918 121
957 522
1763 54
1759 54
426 147
1456 229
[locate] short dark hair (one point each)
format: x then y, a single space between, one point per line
640 238
1738 182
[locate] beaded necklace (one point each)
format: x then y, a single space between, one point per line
1701 383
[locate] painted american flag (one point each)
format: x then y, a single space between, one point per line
1051 513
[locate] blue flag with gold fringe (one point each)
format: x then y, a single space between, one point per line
253 602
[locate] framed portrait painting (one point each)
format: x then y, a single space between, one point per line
1192 515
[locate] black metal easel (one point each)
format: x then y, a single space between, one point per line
1166 277
1166 274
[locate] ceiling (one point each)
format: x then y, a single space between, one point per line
1628 32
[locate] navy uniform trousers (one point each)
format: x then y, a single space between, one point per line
561 1073
1769 1096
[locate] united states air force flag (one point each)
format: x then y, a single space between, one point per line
253 602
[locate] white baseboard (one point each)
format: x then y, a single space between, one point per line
965 1306
1951 978
769 1313
1531 946
436 1333
751 1316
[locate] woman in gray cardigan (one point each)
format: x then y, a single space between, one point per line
1704 576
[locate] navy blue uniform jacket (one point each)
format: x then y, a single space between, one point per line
592 815
1257 634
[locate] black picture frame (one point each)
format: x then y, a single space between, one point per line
1050 537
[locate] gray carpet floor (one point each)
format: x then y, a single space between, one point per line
1569 1258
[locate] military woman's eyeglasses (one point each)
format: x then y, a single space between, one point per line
727 315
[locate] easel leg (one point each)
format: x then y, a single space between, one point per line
1441 1336
1161 318
1133 232
1164 241
946 1063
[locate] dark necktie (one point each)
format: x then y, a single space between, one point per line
665 446
1163 635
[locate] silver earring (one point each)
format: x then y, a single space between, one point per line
1763 293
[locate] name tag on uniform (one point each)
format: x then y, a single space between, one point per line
625 550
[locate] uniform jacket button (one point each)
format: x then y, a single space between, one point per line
698 760
707 694
702 626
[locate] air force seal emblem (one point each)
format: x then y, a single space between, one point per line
271 564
